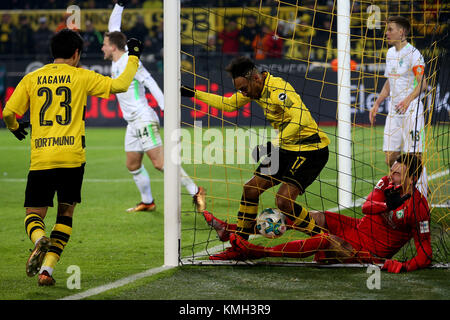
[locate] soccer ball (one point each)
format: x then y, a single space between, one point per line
271 223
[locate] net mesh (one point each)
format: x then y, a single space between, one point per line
297 41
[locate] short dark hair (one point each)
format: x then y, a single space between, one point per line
402 22
240 67
65 42
118 39
412 162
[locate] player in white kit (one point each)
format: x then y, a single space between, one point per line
142 134
404 127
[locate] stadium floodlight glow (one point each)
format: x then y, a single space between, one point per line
344 112
172 184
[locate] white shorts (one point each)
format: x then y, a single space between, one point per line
142 136
403 134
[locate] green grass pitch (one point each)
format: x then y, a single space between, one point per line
107 244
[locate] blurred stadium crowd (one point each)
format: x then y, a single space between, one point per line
308 36
92 4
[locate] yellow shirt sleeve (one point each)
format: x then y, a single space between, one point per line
227 104
98 85
9 117
121 83
102 86
18 103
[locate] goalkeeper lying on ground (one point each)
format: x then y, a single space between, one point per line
394 212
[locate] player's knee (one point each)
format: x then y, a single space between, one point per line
391 157
66 209
283 203
251 191
319 218
158 165
131 166
388 161
42 212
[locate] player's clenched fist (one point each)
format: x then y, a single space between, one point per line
135 47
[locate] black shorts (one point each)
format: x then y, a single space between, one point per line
297 168
42 185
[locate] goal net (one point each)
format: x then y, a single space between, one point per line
298 41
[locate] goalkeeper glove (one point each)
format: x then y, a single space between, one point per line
135 47
20 132
392 266
393 198
187 92
122 3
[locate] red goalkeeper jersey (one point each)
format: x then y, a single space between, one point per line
384 232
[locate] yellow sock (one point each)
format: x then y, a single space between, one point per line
247 218
34 227
304 221
59 237
49 262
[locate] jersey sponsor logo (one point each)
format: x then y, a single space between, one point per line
53 79
282 96
424 226
54 141
393 73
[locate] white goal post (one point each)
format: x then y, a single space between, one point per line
172 100
344 111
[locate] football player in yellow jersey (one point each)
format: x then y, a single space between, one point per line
294 159
56 96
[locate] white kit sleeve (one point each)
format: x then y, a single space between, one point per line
144 77
417 59
115 20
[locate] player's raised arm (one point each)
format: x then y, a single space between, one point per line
115 19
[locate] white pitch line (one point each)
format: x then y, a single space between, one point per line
153 271
439 174
116 284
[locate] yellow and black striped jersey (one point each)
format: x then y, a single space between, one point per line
283 108
56 95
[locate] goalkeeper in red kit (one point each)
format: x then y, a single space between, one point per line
394 212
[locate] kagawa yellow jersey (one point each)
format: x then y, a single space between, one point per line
56 95
283 108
